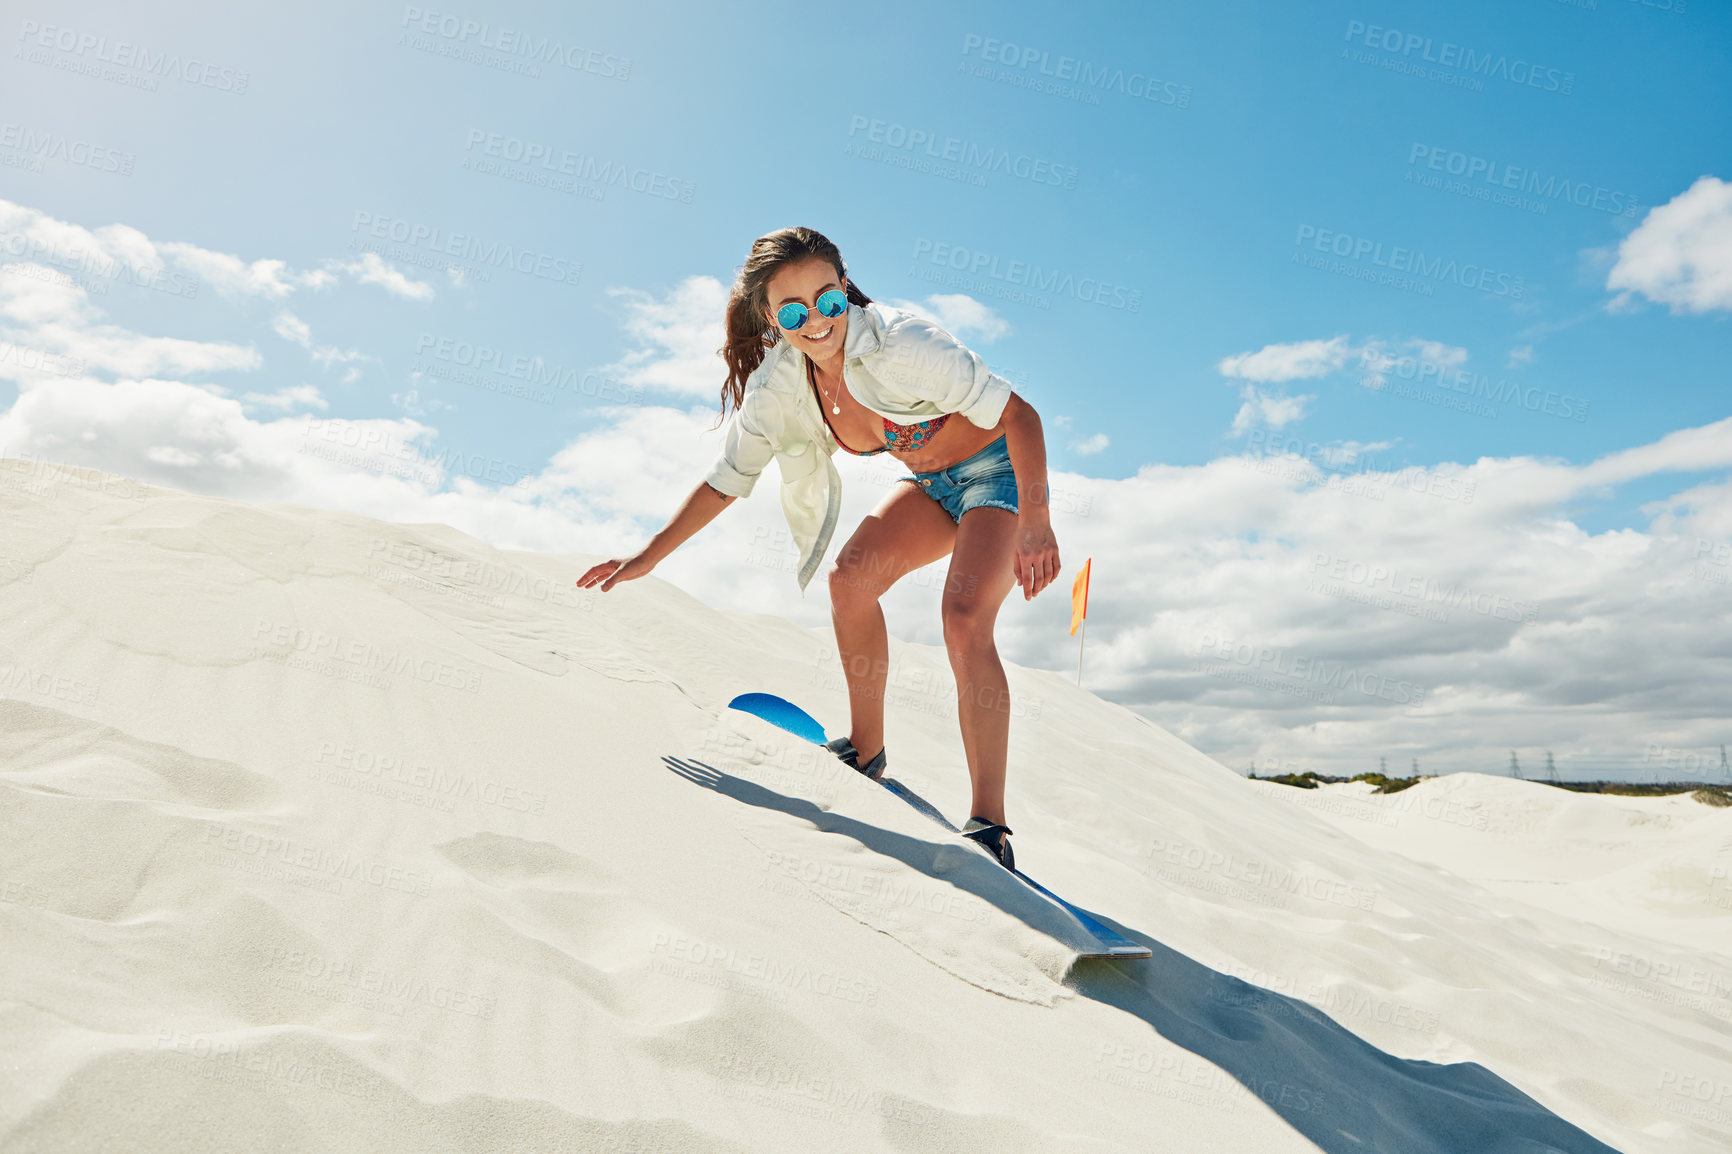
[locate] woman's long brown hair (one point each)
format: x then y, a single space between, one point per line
750 335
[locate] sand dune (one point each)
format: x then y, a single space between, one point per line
319 833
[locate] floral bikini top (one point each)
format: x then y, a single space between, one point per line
902 437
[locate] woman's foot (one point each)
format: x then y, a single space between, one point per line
994 838
843 748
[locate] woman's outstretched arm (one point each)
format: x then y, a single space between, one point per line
704 505
1036 560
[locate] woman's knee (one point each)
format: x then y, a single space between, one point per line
968 623
851 587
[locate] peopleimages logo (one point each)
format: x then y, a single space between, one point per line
1564 406
52 146
1409 261
954 150
1485 65
1419 587
95 261
36 360
516 42
532 370
466 246
121 54
1136 85
584 167
1314 672
1501 176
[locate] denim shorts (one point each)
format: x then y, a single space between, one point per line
983 481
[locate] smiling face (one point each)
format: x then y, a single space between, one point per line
802 281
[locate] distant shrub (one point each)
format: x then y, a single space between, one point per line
1386 784
1712 795
1306 780
1646 789
1311 779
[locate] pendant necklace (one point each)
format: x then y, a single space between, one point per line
812 371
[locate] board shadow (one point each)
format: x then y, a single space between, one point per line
1333 1087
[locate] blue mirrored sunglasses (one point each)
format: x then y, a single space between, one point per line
830 304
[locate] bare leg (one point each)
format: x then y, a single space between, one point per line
980 577
907 530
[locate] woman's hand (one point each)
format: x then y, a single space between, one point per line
1035 561
611 573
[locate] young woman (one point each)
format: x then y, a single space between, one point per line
814 364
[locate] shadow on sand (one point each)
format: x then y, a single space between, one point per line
1333 1087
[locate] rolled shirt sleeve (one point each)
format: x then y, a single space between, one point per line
746 449
929 362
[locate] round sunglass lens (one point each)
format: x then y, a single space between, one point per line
833 303
791 315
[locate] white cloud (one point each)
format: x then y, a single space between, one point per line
293 328
1520 355
183 436
118 251
1299 360
1437 352
1619 636
1306 360
1346 454
1681 253
960 315
678 336
59 318
46 310
31 235
1091 445
171 455
1376 359
414 404
370 269
288 398
150 429
232 276
1702 512
1258 408
329 355
1700 449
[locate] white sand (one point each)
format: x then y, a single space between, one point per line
323 834
1659 866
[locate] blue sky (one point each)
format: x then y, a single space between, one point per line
1288 153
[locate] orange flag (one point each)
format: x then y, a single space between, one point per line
1079 596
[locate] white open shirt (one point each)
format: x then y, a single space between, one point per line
897 364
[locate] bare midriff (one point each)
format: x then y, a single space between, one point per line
861 431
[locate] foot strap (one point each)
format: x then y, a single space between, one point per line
993 838
843 748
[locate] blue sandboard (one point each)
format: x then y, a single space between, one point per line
786 715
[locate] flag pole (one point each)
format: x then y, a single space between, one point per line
1082 631
1079 612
